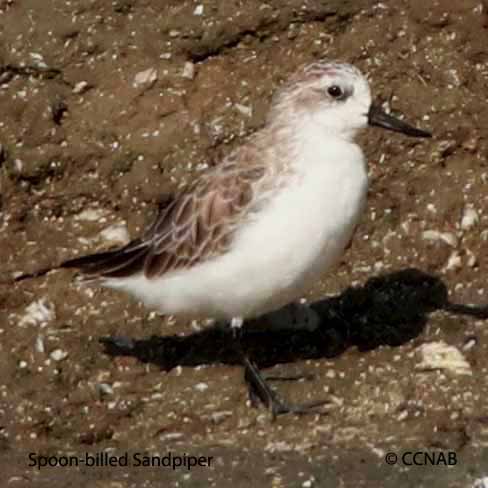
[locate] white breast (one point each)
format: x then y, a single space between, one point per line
300 234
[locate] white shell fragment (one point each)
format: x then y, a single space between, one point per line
80 87
91 214
201 386
115 234
439 355
244 110
454 262
188 71
38 60
470 218
58 355
146 77
434 235
38 312
39 344
105 389
472 260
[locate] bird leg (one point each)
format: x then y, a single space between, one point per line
259 389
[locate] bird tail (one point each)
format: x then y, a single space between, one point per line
118 263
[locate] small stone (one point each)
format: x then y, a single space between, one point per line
439 355
454 262
469 219
402 415
38 312
80 87
39 345
91 214
198 10
470 343
116 234
146 77
105 389
243 109
58 355
201 387
38 60
219 417
472 260
188 71
434 235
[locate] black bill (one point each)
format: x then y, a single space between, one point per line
377 116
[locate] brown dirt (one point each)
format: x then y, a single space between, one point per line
115 148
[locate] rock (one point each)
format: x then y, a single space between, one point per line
38 312
469 219
58 355
80 87
146 77
244 110
439 355
454 262
116 234
434 235
188 71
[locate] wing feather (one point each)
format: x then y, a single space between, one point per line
195 225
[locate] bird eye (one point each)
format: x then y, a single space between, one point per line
335 91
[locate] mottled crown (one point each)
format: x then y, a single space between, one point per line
306 97
297 86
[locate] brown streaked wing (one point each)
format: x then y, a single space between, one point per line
199 223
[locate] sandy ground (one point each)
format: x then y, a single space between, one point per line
107 106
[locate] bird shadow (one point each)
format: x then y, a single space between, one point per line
389 310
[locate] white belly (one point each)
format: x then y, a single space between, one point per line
300 234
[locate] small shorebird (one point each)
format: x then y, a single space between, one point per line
253 233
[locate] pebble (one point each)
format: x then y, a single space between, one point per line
454 262
38 312
91 214
201 386
472 259
38 60
39 344
244 110
146 77
80 87
188 71
470 218
105 389
58 355
219 417
116 234
198 10
470 343
434 235
439 355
